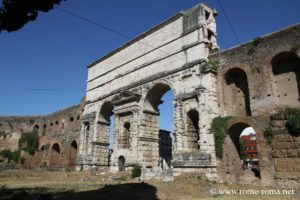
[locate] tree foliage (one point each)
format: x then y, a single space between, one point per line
14 14
219 129
10 155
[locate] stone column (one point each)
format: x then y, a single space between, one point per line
208 109
115 145
134 134
179 127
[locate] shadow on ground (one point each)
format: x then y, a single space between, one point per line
129 191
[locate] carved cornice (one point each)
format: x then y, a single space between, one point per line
126 97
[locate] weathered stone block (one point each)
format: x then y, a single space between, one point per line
281 145
280 165
292 153
276 153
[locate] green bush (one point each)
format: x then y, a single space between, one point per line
269 134
219 127
67 169
31 141
293 124
11 155
254 43
136 171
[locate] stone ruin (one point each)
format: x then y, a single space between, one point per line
251 82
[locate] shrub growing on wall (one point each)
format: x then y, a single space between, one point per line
29 142
269 134
219 127
293 124
136 171
10 155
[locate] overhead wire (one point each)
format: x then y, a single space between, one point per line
102 26
229 22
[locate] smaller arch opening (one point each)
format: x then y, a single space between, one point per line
121 163
193 130
42 148
71 119
286 71
244 139
72 153
238 91
124 140
36 128
55 148
54 162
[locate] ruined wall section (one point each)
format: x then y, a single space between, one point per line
254 62
61 127
11 129
285 149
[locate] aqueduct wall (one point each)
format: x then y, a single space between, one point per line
58 135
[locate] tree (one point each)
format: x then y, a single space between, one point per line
14 14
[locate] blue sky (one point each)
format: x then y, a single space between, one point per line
53 51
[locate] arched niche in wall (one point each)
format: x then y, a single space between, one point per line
106 122
124 140
286 71
245 152
192 130
236 93
72 153
54 162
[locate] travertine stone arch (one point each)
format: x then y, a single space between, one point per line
153 93
135 77
149 133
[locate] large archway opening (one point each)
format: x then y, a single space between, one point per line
106 126
286 71
72 153
158 111
237 92
243 138
54 162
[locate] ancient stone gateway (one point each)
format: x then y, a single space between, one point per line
129 82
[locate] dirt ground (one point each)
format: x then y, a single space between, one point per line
47 185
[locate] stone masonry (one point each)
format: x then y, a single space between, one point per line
128 84
249 82
58 135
